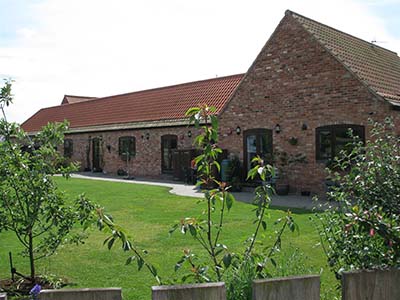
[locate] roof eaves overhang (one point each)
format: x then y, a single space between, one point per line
135 125
126 126
394 103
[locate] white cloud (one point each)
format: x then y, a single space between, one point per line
99 48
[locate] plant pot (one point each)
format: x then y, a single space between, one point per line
282 189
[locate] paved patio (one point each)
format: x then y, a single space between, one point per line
182 189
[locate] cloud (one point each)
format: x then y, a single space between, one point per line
99 48
381 2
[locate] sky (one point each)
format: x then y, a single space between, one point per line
50 48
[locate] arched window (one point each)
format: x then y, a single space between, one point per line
127 147
331 139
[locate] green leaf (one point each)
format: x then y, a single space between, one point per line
273 262
199 158
214 122
130 259
127 245
173 228
177 267
140 263
192 111
214 136
106 240
193 230
264 225
219 251
227 260
217 165
229 200
110 243
153 270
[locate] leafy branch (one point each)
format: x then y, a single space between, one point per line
117 233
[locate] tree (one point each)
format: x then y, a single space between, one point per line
215 262
31 206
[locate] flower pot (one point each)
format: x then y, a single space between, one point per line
282 189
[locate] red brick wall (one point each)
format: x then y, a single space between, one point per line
294 80
147 161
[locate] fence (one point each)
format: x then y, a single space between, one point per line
293 288
82 294
371 285
206 291
357 285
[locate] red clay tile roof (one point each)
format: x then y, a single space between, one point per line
166 103
377 67
69 99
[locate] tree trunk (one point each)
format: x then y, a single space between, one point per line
31 257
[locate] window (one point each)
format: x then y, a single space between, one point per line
68 148
332 139
127 147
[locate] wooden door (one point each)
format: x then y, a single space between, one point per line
96 167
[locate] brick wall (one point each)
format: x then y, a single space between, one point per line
147 161
295 81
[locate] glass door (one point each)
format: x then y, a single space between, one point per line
257 142
168 143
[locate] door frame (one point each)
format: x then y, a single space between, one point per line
96 154
258 132
163 138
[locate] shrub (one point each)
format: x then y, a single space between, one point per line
364 231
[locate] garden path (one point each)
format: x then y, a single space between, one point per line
182 189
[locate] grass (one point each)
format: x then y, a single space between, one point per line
148 212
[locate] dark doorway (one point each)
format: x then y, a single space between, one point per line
181 163
96 142
257 142
168 144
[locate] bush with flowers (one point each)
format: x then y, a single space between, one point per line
363 232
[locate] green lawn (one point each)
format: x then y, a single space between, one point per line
148 212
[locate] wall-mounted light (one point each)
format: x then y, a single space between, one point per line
189 133
238 130
304 126
277 128
147 135
109 148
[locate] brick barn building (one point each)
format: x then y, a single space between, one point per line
307 86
